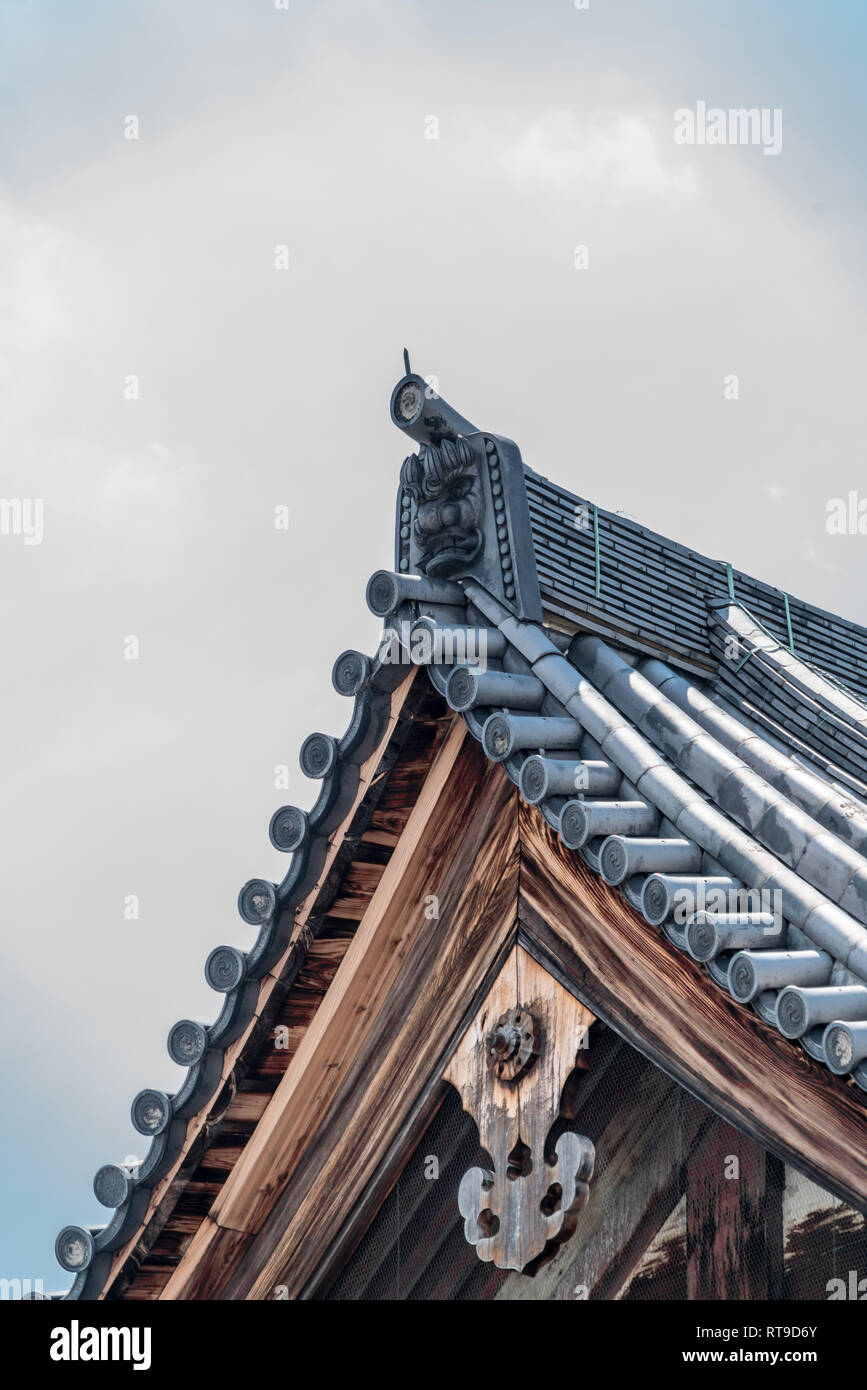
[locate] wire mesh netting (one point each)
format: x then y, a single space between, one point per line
415 1247
634 1240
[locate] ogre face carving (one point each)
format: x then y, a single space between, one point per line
444 483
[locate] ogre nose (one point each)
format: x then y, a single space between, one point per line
449 514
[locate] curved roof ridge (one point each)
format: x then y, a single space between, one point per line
87 1252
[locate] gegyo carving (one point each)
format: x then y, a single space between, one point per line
510 1068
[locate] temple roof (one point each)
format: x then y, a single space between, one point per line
696 737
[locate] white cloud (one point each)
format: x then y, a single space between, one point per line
157 491
597 153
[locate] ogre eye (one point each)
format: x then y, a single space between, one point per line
459 487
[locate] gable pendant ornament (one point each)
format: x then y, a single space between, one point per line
510 1069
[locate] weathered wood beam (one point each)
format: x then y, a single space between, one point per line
734 1218
662 1003
355 1091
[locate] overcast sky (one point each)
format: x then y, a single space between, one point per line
154 258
